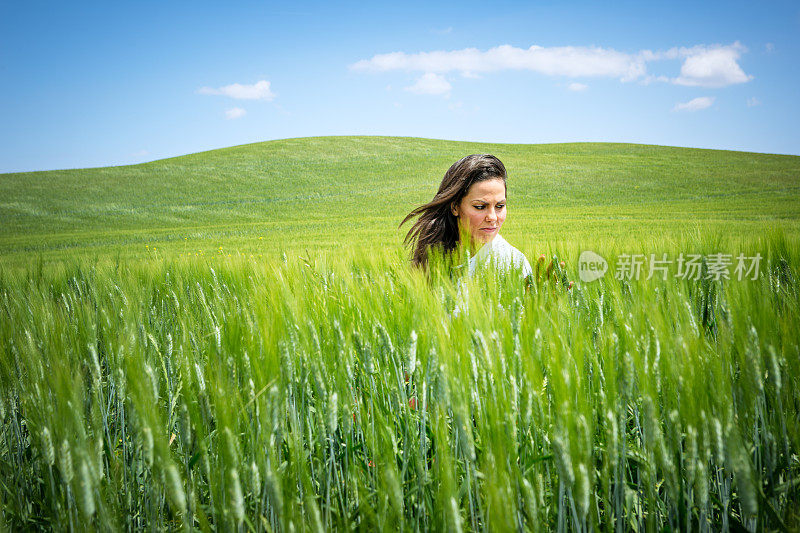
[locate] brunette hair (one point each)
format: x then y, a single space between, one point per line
437 226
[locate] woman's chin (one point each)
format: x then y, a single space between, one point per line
483 238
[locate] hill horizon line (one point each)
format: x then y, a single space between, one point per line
408 137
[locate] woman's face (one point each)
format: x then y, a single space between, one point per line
482 210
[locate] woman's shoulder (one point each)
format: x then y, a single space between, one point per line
504 251
504 247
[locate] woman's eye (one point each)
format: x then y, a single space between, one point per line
501 206
478 206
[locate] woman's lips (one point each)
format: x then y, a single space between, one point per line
488 230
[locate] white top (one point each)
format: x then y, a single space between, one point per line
504 257
503 254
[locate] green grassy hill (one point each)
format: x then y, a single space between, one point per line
140 389
328 192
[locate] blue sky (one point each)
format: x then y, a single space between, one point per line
96 84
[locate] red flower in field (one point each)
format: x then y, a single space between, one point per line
562 264
412 403
354 417
541 258
370 464
571 283
407 378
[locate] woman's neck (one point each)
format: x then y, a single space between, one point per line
475 246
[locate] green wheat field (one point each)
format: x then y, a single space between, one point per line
234 341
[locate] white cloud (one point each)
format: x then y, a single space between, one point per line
570 61
577 86
257 91
714 66
752 102
431 83
703 65
769 47
647 80
695 104
444 31
234 113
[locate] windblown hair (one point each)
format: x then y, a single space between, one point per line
436 226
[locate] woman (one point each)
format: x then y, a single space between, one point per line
469 206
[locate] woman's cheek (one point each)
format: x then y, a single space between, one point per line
477 219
